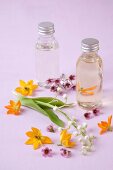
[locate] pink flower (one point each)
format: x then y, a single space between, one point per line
46 152
49 81
65 153
72 77
53 88
87 115
96 111
51 128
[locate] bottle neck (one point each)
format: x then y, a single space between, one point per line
90 56
46 38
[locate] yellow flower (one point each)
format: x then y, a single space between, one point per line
14 107
26 88
65 139
36 138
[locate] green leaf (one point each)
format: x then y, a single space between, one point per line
31 104
54 118
51 100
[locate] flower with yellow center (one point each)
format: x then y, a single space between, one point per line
14 107
36 138
65 139
26 88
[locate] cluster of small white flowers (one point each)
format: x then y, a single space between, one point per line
87 144
87 141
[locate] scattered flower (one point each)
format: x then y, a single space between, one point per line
14 107
55 108
87 115
60 85
26 88
36 138
46 152
96 111
72 77
51 128
65 139
105 125
65 153
65 96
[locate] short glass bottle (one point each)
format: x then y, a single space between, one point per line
47 57
89 72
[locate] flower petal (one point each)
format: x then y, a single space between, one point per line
12 103
22 83
36 131
37 144
29 141
46 140
30 134
109 120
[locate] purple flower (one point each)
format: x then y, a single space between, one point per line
96 111
46 152
51 128
87 115
73 87
67 85
65 153
53 88
57 81
72 77
49 81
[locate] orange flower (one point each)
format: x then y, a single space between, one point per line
26 88
14 107
105 126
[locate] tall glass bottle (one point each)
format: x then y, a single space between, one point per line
47 57
89 75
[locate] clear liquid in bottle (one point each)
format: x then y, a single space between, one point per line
89 76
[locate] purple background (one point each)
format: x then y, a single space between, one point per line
74 20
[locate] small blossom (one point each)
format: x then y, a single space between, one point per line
59 89
84 125
13 107
72 77
73 87
46 152
70 123
55 108
65 153
53 88
65 96
51 128
87 115
49 81
96 111
57 81
60 129
67 85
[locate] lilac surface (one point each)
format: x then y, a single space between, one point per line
74 20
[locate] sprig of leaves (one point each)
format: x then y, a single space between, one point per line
45 106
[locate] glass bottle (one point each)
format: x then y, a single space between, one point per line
47 57
89 74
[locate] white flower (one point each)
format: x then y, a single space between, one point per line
84 125
86 137
75 133
55 108
65 96
59 129
79 127
70 123
59 89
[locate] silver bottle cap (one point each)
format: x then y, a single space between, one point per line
90 45
46 28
